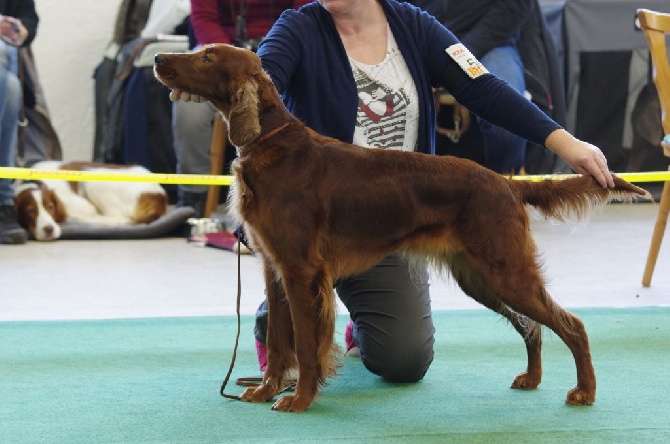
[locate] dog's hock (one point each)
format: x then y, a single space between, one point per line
244 126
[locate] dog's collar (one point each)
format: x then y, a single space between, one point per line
271 133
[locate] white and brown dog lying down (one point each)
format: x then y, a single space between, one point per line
43 205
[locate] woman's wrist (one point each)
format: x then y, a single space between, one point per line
558 140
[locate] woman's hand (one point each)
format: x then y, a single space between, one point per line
12 31
582 157
177 94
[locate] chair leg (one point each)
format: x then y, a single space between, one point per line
217 150
657 237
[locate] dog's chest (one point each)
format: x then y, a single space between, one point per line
237 197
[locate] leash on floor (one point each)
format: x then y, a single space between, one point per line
245 382
237 336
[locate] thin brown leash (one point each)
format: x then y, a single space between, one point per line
245 382
237 311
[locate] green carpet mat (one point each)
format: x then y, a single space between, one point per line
157 381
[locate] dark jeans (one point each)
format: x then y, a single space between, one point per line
393 327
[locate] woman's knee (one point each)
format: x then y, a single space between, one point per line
14 92
400 362
13 96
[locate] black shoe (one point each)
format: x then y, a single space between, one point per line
10 231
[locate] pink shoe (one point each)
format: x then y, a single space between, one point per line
262 353
352 348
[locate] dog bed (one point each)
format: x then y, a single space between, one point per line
163 226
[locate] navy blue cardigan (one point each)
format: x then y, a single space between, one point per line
305 57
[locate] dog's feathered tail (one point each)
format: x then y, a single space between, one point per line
574 198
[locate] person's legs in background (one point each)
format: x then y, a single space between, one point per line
504 152
192 130
10 102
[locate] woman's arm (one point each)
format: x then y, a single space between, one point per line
497 102
280 50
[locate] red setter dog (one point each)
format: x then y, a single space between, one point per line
316 209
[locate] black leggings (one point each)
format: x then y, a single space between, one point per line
393 327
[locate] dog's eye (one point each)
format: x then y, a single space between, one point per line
206 59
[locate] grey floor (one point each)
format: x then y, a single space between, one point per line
594 264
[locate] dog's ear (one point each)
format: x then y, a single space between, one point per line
243 124
58 208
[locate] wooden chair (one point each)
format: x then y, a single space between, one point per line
217 149
656 27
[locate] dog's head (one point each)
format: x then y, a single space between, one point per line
229 77
39 211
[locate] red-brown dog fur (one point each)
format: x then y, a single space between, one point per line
317 209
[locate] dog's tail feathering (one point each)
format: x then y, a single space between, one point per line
574 198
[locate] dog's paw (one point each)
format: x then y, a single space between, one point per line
580 396
262 393
290 403
525 381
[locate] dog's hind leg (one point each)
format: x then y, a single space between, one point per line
474 286
516 281
538 305
280 341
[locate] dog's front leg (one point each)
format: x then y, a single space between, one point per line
281 355
310 296
306 351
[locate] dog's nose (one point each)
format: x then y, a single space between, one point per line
158 59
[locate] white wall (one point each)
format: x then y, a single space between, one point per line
71 39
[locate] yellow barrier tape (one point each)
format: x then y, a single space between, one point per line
647 176
104 176
203 179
